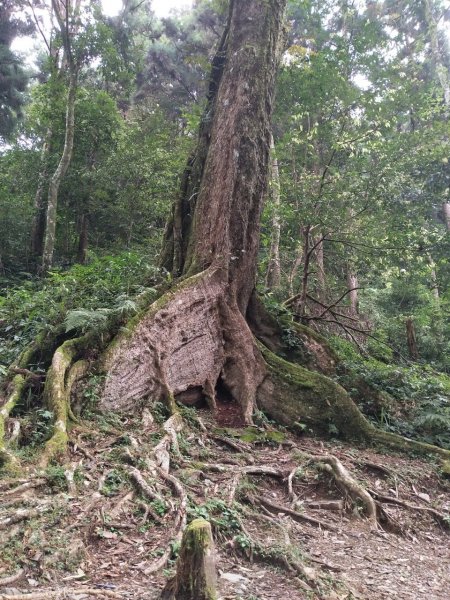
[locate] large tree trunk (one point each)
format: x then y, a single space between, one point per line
198 335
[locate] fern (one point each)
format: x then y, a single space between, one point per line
433 421
125 306
86 320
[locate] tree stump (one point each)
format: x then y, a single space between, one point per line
196 570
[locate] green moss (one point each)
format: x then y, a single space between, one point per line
300 395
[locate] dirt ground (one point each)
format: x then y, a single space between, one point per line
82 530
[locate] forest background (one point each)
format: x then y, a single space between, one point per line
355 233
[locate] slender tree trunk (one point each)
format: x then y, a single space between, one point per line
273 276
295 267
411 339
446 214
83 240
301 305
319 256
55 181
433 277
352 284
38 225
441 68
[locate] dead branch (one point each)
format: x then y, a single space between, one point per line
27 485
11 578
56 594
18 516
438 516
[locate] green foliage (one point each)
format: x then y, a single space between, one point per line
56 478
221 516
113 483
415 399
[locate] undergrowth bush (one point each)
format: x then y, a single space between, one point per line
107 284
418 397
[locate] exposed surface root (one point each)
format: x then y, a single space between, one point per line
12 578
297 516
7 458
134 489
333 465
292 394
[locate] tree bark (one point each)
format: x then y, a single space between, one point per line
197 337
61 169
273 275
446 214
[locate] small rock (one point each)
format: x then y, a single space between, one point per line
233 578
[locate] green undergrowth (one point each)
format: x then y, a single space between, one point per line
414 399
91 292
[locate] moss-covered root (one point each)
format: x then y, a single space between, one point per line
196 577
292 394
8 461
15 389
57 394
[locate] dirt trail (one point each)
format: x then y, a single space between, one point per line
90 532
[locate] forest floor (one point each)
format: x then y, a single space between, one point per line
92 528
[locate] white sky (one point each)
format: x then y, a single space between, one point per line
161 7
